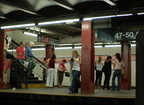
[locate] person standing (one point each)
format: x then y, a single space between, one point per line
75 73
20 52
107 72
29 56
51 71
99 65
118 64
71 62
61 72
7 69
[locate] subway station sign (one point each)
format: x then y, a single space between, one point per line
128 35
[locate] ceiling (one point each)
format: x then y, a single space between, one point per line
24 11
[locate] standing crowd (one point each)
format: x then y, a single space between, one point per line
25 56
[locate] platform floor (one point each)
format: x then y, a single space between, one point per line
64 92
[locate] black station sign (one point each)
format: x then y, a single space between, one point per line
128 35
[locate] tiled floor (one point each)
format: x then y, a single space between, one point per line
64 91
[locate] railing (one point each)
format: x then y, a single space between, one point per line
22 65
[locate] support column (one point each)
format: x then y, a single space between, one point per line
87 66
2 36
49 50
126 56
140 68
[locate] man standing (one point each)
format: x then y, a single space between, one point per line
29 56
20 52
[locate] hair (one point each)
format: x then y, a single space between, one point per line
72 59
8 56
76 52
118 57
99 59
64 60
108 57
21 42
45 59
53 56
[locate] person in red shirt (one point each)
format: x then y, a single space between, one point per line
20 52
61 70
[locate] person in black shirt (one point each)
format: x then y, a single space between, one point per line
107 72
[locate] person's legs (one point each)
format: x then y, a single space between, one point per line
108 79
97 76
52 77
113 79
73 87
118 79
100 77
60 78
48 78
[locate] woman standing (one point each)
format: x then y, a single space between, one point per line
75 73
7 69
51 71
107 72
99 65
118 64
61 70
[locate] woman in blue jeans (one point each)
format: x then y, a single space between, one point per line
118 64
75 73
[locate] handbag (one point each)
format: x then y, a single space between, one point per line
67 74
60 69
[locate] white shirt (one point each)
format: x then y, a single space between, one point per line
76 65
99 66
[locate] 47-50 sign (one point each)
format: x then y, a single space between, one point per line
129 35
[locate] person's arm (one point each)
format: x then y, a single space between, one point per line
7 66
114 65
79 60
26 52
47 64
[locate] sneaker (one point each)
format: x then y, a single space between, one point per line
13 88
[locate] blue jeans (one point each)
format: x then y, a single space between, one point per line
117 73
75 81
31 65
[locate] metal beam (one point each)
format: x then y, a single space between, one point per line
63 4
24 9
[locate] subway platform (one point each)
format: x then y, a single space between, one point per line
54 96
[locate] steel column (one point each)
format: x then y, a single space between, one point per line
49 50
126 56
140 68
87 66
2 36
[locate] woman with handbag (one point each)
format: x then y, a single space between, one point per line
61 69
118 64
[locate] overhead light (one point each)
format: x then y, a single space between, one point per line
141 13
31 34
62 48
110 2
57 22
38 49
133 45
65 44
17 26
11 50
78 47
112 45
105 17
98 46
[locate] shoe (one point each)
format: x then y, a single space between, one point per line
70 92
13 88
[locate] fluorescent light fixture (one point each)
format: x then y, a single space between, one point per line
64 44
98 46
38 49
141 13
62 48
133 45
31 34
110 2
105 17
11 50
78 47
57 22
18 26
112 45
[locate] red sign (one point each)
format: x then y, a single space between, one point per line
45 39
